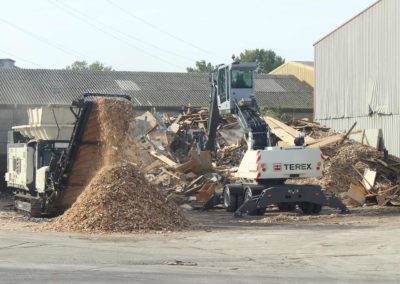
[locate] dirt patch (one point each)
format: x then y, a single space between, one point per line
368 215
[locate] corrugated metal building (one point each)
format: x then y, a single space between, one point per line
302 70
357 69
24 88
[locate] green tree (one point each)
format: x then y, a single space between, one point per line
83 65
267 60
276 113
201 67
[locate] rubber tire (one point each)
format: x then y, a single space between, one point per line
309 208
286 207
240 200
248 193
230 201
317 208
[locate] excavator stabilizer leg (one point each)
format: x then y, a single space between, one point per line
294 194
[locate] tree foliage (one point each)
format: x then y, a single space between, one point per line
83 65
276 113
201 67
267 60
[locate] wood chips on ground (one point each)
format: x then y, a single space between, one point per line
118 198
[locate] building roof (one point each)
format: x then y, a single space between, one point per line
308 63
159 89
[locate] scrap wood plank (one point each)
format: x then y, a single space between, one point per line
153 165
386 196
195 181
205 192
178 118
385 164
186 167
326 141
277 129
193 189
147 120
164 159
386 191
337 138
285 132
203 161
369 179
363 179
164 170
174 127
357 193
291 131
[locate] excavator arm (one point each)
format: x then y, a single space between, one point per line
257 132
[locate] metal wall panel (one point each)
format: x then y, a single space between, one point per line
388 123
357 74
357 66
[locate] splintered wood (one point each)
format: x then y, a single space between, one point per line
284 132
118 198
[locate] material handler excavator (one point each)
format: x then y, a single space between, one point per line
265 167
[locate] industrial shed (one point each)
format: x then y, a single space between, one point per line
357 73
23 88
167 92
302 70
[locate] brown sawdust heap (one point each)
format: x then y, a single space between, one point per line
118 198
339 173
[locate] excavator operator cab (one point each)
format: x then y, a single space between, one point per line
234 84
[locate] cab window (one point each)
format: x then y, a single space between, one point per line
242 79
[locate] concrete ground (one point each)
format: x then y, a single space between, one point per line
358 248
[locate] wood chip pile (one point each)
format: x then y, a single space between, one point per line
119 199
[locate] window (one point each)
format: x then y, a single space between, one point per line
242 79
222 85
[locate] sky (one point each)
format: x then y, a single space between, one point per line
156 35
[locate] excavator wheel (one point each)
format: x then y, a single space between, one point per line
317 208
309 208
248 194
230 200
286 207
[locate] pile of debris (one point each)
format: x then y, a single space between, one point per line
358 173
118 198
176 167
